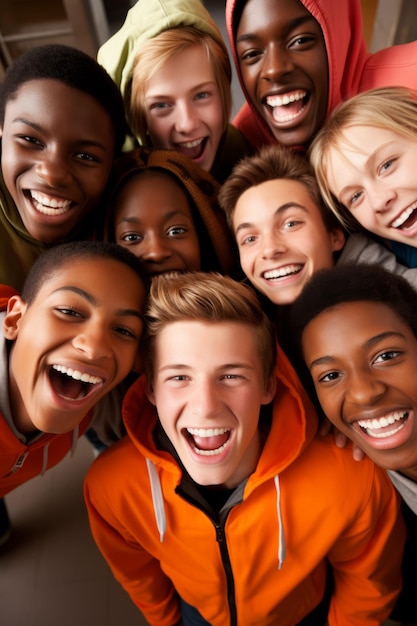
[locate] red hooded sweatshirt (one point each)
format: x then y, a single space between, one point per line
351 67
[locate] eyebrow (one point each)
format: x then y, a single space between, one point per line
298 21
370 343
206 83
279 210
225 366
40 129
167 216
92 300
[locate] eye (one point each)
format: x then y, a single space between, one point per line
29 139
202 95
354 198
133 238
289 224
159 106
250 56
85 156
329 377
68 312
386 165
176 231
303 41
247 240
126 332
388 355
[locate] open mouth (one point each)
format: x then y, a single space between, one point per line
48 205
282 272
287 107
407 218
208 441
385 426
72 384
192 149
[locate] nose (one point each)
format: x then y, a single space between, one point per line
186 118
93 340
365 388
53 169
277 62
205 401
273 245
155 249
381 197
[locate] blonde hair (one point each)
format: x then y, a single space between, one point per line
207 297
391 108
155 52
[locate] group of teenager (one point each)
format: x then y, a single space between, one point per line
204 298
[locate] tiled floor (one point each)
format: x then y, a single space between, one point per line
51 573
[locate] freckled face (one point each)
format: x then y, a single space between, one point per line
363 358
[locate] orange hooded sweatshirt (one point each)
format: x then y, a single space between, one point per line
352 69
262 560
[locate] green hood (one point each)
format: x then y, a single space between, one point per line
145 20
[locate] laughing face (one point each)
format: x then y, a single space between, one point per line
209 407
184 109
57 152
283 64
154 220
373 173
282 239
75 342
363 358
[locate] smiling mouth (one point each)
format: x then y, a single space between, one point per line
71 384
192 149
287 107
406 219
282 272
48 205
208 441
386 426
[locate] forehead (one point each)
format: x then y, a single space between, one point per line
182 70
272 195
158 187
264 14
96 276
348 324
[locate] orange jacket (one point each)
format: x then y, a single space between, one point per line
264 561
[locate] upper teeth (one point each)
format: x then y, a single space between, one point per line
77 375
404 216
207 432
382 422
283 271
48 205
191 144
279 101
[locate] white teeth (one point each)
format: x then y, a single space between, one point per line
404 216
49 205
191 144
279 101
282 271
77 375
207 432
387 420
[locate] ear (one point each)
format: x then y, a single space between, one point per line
150 393
16 308
337 238
270 389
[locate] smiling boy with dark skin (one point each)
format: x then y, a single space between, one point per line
297 59
88 300
61 126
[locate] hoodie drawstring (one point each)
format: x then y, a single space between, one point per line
157 499
281 541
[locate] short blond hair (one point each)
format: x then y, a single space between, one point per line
155 52
391 108
207 297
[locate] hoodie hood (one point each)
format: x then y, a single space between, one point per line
341 23
294 425
145 20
